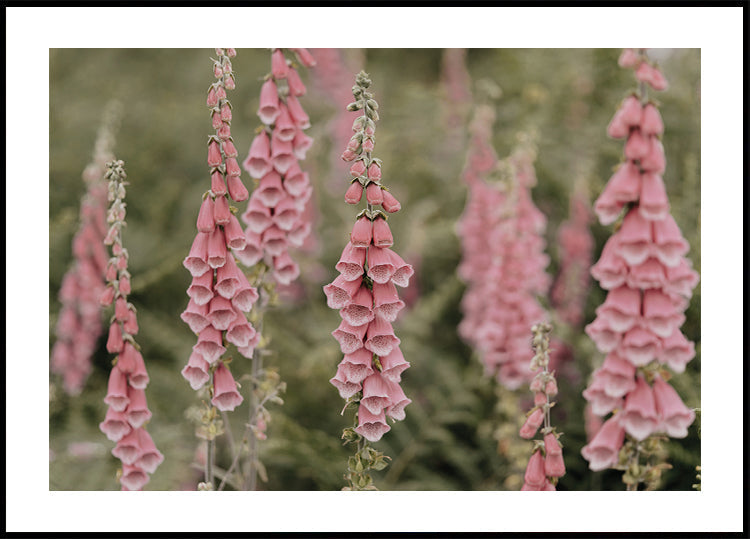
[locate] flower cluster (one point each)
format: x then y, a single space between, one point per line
546 465
275 216
126 397
503 265
649 283
220 294
365 291
79 324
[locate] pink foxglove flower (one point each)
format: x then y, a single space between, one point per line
368 304
278 212
220 295
128 411
649 282
546 464
79 322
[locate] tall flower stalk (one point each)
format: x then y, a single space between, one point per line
278 217
649 282
546 465
79 323
365 294
220 294
128 411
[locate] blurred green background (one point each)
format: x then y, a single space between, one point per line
448 440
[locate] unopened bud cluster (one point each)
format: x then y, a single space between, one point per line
546 464
649 282
276 214
220 294
128 410
365 291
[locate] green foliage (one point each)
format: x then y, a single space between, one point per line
450 438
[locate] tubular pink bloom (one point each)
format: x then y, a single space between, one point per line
374 194
133 478
651 75
218 185
270 190
274 241
651 123
681 279
380 337
629 58
386 303
622 308
637 146
282 152
351 263
554 465
234 235
226 397
634 238
357 169
137 412
603 336
227 280
253 251
345 387
286 214
268 110
296 87
350 337
675 417
399 401
279 68
371 426
298 114
196 260
285 129
361 235
535 476
227 145
402 271
107 297
354 193
221 313
305 58
128 448
209 344
532 424
114 340
639 346
357 366
625 183
285 270
296 182
301 144
603 450
246 296
257 216
649 274
236 188
217 249
618 376
394 364
150 458
359 310
660 314
195 316
214 154
631 111
381 233
258 160
539 398
639 414
196 371
670 246
117 390
201 288
341 291
376 393
617 127
654 160
598 397
611 270
138 378
240 332
221 211
115 425
248 350
390 204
